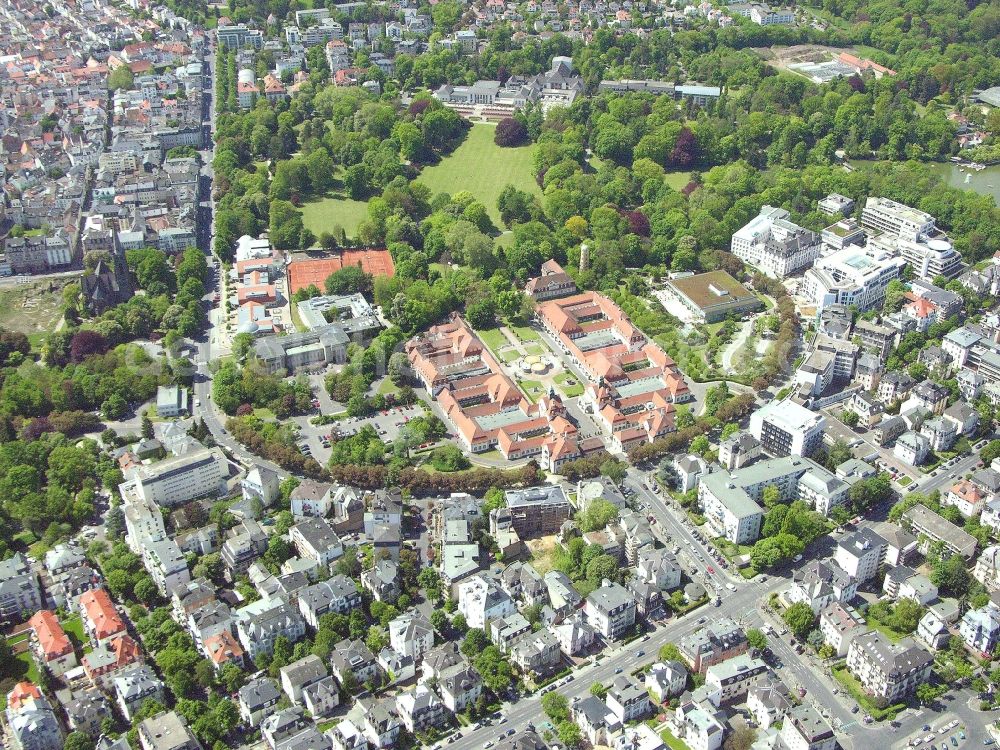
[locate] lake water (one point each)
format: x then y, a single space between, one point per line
986 181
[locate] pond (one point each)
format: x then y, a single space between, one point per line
985 182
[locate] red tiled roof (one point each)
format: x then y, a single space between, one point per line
101 613
51 637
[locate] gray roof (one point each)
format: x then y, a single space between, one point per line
895 659
259 693
607 598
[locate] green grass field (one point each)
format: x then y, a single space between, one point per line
482 168
493 338
524 333
324 214
569 391
677 180
532 389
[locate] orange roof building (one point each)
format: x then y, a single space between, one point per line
634 383
51 644
223 649
486 408
100 616
105 661
22 696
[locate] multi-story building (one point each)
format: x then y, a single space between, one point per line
50 644
20 594
167 731
175 481
894 218
716 642
238 36
804 729
738 450
628 700
732 678
852 276
839 627
610 609
420 709
258 625
775 245
860 554
101 620
537 511
980 628
886 670
32 722
785 428
552 282
481 600
931 527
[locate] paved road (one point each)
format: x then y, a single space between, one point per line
529 709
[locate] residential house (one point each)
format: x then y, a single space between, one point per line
716 642
980 628
256 699
50 644
886 670
481 600
353 659
259 625
628 700
420 709
315 539
101 620
411 635
733 677
135 687
537 652
839 626
666 679
460 687
804 729
338 594
768 700
20 594
610 610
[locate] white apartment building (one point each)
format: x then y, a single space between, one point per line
839 627
775 245
804 729
610 609
784 428
167 565
175 481
894 218
481 600
852 276
888 670
861 553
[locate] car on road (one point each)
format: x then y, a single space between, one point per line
618 671
639 654
731 587
710 569
797 558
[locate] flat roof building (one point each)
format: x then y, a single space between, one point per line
785 428
714 296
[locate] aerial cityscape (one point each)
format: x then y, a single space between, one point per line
499 374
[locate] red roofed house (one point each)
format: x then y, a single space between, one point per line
107 660
224 649
51 645
100 616
24 693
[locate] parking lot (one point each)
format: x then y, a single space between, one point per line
315 440
939 736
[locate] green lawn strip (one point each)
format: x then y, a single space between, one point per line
323 214
509 355
480 167
536 350
387 387
864 700
532 389
677 180
74 629
524 333
493 338
673 742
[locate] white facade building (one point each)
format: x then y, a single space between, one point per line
775 245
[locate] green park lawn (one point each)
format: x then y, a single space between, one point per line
570 391
532 389
482 168
678 180
493 338
323 214
525 333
